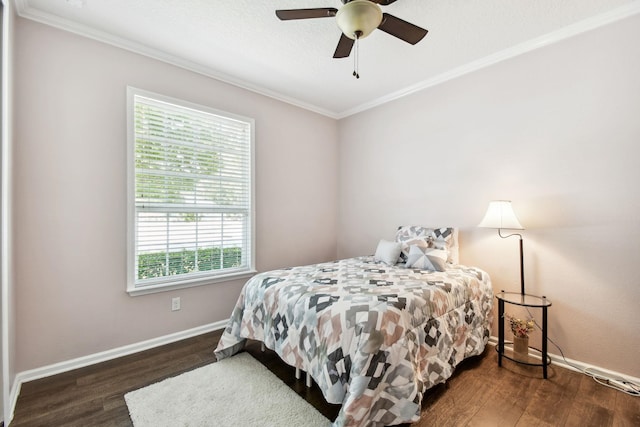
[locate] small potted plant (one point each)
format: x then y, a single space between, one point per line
520 329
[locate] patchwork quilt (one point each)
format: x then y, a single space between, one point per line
374 337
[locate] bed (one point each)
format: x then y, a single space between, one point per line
374 332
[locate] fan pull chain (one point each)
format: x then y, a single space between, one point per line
356 56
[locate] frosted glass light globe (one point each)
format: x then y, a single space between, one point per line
358 18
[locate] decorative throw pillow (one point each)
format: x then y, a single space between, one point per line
388 252
427 258
442 238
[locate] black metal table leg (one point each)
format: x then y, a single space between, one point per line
544 342
500 331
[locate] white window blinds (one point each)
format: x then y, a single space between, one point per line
192 191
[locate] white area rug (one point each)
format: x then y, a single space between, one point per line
238 391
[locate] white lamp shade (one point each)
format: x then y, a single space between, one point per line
500 214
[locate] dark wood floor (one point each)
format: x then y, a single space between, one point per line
479 393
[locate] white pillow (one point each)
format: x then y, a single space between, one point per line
388 252
427 258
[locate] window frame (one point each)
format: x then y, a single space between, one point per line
168 283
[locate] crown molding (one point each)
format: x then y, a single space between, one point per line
25 11
520 49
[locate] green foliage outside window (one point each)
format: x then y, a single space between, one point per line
174 156
181 262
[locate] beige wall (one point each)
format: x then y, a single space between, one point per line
8 306
70 195
556 130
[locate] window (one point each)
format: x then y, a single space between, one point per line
190 177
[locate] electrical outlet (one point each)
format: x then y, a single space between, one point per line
175 304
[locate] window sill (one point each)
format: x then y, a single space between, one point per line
165 287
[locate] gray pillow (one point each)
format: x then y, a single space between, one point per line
432 259
440 238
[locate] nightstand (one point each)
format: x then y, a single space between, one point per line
523 300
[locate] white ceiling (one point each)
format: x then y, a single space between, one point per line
244 43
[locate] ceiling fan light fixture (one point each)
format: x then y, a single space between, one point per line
358 18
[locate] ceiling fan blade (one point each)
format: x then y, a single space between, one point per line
320 12
344 47
383 2
401 29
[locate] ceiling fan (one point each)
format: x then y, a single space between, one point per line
357 19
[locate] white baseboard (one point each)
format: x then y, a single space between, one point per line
81 362
577 366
